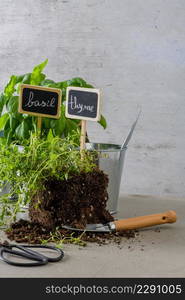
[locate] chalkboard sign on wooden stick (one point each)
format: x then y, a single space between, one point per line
40 101
83 104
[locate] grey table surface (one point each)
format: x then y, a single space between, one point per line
155 252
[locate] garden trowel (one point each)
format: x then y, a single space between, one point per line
131 223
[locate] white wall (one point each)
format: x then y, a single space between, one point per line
135 51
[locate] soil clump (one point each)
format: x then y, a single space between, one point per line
77 201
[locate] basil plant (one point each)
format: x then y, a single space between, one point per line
18 127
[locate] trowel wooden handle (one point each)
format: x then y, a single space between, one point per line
146 221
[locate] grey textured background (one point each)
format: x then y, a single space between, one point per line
135 51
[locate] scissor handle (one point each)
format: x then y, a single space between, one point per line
50 259
30 254
38 260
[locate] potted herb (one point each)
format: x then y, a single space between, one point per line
48 173
50 176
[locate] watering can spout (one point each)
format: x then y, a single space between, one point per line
127 140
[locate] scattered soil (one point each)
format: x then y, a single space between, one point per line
34 233
78 201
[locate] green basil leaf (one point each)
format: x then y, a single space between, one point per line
70 127
77 81
26 78
9 137
7 128
46 123
37 76
13 123
2 102
23 79
3 120
20 78
50 136
18 116
62 84
10 87
103 122
48 82
77 121
22 131
37 79
12 104
58 126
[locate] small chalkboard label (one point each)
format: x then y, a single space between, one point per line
83 103
40 101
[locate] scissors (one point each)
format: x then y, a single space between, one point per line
7 251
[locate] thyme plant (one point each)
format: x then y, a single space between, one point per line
40 159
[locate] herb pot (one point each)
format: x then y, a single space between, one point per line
110 160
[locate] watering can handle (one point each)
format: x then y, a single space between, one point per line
145 221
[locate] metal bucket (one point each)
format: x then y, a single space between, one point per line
110 160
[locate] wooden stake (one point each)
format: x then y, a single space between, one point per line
39 123
83 136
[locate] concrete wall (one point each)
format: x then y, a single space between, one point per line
135 51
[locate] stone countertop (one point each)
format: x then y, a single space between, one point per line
155 252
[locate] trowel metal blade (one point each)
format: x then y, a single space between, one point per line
91 228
